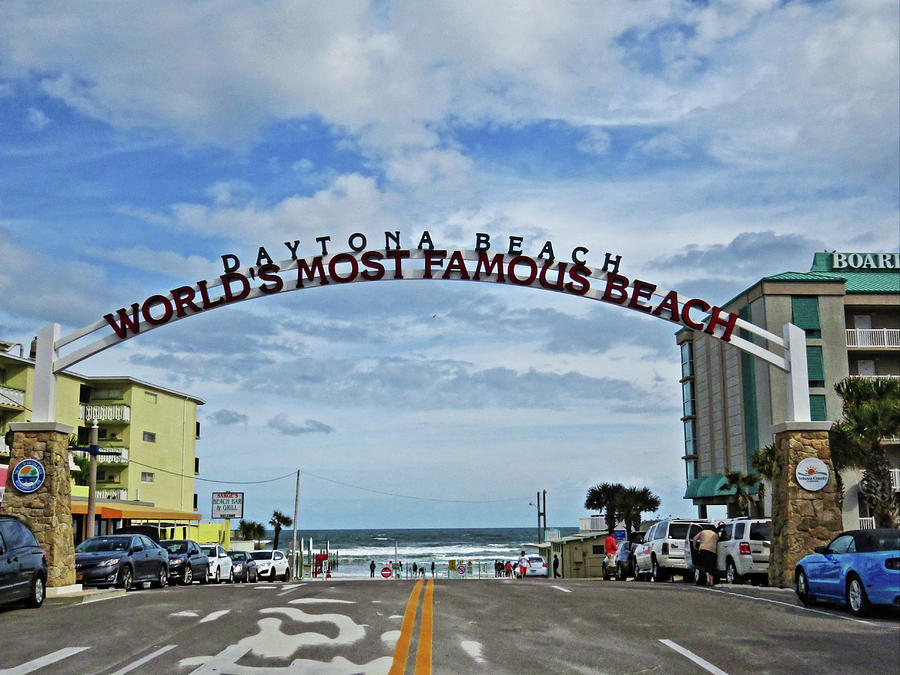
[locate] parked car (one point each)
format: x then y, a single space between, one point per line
220 567
537 567
858 568
23 564
244 566
186 561
272 565
625 555
121 560
661 552
743 550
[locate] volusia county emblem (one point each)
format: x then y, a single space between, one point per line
28 475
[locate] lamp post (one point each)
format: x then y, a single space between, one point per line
94 451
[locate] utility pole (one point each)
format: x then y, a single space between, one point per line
541 512
92 481
296 515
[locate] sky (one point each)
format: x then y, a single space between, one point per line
707 143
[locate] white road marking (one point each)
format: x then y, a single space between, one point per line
227 657
184 613
142 661
473 649
313 601
703 663
214 615
289 587
788 604
272 642
389 638
560 588
53 657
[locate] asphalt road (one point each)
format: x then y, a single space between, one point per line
461 626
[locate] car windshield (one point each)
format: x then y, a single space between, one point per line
176 547
209 551
98 544
261 555
760 531
878 540
237 555
535 559
678 530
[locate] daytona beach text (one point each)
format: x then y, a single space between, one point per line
516 269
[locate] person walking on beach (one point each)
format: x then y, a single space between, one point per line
432 568
509 567
372 569
523 565
415 570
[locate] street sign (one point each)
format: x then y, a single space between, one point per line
227 505
461 570
386 572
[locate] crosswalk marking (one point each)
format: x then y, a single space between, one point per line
143 660
214 615
560 588
53 657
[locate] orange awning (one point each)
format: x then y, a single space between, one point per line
133 511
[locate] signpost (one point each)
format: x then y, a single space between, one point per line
228 505
386 572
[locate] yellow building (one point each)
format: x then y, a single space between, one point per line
154 430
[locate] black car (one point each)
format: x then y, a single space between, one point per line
625 556
121 560
187 562
244 566
23 564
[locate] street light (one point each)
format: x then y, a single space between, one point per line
93 450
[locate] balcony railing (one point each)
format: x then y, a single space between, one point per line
117 412
867 523
122 458
876 377
895 479
120 495
874 338
12 398
591 524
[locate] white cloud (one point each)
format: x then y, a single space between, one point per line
169 263
36 119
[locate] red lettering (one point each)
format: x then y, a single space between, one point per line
717 320
157 299
311 270
184 295
226 285
125 324
397 256
642 291
270 273
457 265
616 283
518 260
670 303
342 258
204 293
488 266
433 258
580 276
370 259
686 312
560 276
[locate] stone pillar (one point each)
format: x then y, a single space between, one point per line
800 519
48 510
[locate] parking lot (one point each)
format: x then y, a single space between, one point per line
491 626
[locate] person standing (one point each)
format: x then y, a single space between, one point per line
432 568
524 564
705 544
555 566
415 570
372 569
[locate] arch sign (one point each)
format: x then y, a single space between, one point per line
510 265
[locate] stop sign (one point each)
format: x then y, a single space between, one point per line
386 572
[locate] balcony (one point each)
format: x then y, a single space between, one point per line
895 479
12 398
122 458
867 523
117 412
875 377
873 338
117 495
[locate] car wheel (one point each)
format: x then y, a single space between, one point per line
204 579
187 576
620 573
161 577
856 597
126 578
254 578
657 572
731 573
801 587
230 578
272 576
36 596
287 575
217 577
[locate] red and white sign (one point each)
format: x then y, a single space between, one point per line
461 570
386 572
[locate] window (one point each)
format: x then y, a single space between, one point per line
805 314
196 466
687 359
841 544
739 530
195 501
598 550
690 444
687 395
149 437
149 397
196 429
147 476
107 394
817 411
815 364
690 469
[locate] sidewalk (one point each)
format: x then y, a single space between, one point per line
72 595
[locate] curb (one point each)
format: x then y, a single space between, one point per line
85 596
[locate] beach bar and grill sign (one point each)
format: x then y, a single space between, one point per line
228 505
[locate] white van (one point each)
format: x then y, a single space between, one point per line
744 548
661 553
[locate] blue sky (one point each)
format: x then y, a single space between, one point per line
709 144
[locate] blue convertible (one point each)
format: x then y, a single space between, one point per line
858 568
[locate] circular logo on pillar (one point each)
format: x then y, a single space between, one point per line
812 474
28 475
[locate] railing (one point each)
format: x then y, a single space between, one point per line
591 524
878 338
867 523
875 377
112 494
105 413
122 458
895 479
12 397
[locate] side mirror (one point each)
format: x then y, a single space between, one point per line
820 549
137 549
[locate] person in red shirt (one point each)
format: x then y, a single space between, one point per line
611 546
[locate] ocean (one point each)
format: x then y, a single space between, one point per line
356 549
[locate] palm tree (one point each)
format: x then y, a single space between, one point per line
249 530
278 521
738 480
871 412
632 502
603 497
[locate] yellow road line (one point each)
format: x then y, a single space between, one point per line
401 651
423 652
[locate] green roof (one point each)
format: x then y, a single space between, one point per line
856 282
713 486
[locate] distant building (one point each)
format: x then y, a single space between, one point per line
154 430
849 306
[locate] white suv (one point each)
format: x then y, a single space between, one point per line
272 565
220 566
743 551
662 551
